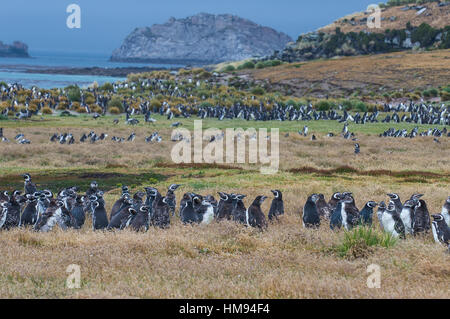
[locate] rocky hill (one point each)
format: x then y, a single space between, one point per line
15 50
200 39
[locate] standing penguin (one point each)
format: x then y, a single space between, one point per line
225 206
140 221
335 199
407 215
29 215
357 148
187 212
336 217
397 202
380 212
277 206
119 220
239 211
206 212
11 212
29 187
92 190
255 217
99 217
210 199
366 213
3 213
323 209
161 212
48 220
78 212
349 212
392 223
422 221
171 199
446 211
441 232
311 218
125 199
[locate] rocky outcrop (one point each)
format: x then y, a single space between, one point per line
200 39
15 50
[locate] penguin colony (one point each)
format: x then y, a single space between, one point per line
42 211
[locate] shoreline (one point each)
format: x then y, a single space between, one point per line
98 71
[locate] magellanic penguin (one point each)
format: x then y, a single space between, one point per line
171 198
119 220
11 212
210 199
392 223
323 209
206 213
255 217
407 215
366 214
160 212
78 212
140 221
239 211
187 211
99 217
92 190
277 206
29 187
446 211
311 218
349 212
49 218
441 232
380 212
395 198
225 206
334 200
422 221
29 214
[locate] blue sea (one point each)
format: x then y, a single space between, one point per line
12 70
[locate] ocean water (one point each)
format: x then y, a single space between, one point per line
12 70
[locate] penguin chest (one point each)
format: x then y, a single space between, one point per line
388 223
446 215
3 215
435 230
405 216
344 217
208 216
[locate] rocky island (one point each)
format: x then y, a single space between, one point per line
200 39
15 50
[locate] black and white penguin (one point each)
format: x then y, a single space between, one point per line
367 213
151 196
92 190
78 212
441 231
357 148
120 219
336 217
124 201
99 217
380 211
323 209
187 211
171 198
239 211
392 223
160 212
446 211
255 216
277 206
140 222
29 214
49 218
138 200
407 215
334 200
206 212
29 186
349 212
422 221
225 206
4 196
210 199
395 198
311 218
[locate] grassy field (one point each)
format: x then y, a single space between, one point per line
224 259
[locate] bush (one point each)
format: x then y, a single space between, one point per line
322 105
114 110
258 91
361 106
107 87
73 93
155 103
117 103
247 65
445 96
229 68
47 110
425 34
260 65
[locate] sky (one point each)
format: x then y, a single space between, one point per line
105 23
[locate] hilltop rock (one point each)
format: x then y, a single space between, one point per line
200 39
15 50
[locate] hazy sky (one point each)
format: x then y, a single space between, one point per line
105 23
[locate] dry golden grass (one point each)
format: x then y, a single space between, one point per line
343 76
225 260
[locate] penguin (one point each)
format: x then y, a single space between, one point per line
323 209
140 221
210 199
336 217
225 206
48 219
187 212
357 148
441 231
99 217
349 212
239 211
3 213
92 190
29 186
206 212
29 214
65 219
4 196
334 200
422 221
277 205
124 200
151 195
255 217
366 214
119 220
381 209
311 218
392 223
395 198
407 215
160 212
78 212
171 199
138 200
446 211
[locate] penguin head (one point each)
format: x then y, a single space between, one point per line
151 192
437 217
26 177
337 196
224 196
277 194
60 203
144 209
448 200
348 198
138 196
259 199
393 196
132 211
125 190
173 187
390 207
94 185
372 204
48 193
410 203
416 197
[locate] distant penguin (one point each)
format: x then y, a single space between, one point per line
357 148
187 212
124 200
367 213
381 210
140 221
334 200
78 212
441 232
171 199
311 218
29 215
225 206
349 212
392 223
422 221
239 210
161 212
407 215
277 206
29 187
99 217
12 219
92 190
323 209
255 216
336 217
446 211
